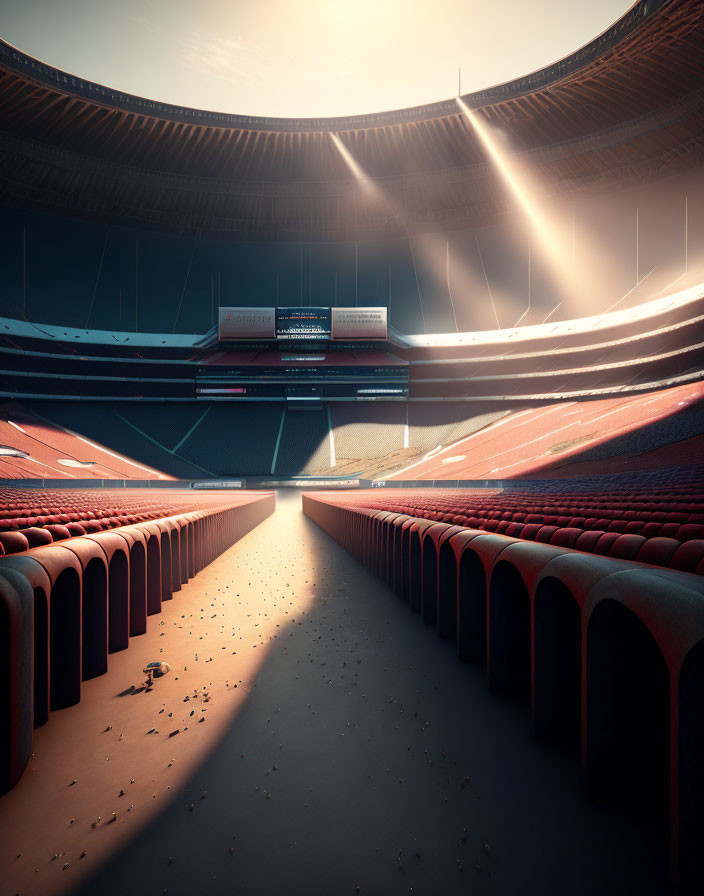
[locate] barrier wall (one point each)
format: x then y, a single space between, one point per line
609 652
65 607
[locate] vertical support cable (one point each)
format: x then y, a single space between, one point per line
449 290
686 233
331 436
488 287
356 273
136 286
278 442
24 273
415 273
185 284
389 297
97 278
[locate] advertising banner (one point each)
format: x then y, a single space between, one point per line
359 323
246 323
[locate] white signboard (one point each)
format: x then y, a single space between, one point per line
359 323
247 323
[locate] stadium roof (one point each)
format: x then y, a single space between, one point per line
626 108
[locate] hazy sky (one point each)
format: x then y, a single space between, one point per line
297 58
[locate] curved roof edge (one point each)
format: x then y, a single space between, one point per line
592 324
505 338
49 76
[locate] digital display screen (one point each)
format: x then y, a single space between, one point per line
303 323
300 323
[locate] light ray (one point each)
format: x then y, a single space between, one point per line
430 248
553 248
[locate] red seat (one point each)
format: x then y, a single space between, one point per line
626 547
75 529
37 537
530 530
658 551
603 546
651 530
13 542
690 531
669 530
58 532
689 556
566 537
545 534
635 527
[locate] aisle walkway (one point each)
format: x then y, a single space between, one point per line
357 752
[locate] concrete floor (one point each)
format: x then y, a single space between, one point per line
367 759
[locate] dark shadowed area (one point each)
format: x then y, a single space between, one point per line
367 756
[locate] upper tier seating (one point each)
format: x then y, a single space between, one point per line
539 439
34 448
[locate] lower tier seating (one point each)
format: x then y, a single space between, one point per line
33 517
67 603
661 526
609 652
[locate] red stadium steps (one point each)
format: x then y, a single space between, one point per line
609 652
65 607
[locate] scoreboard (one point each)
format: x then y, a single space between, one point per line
303 323
300 323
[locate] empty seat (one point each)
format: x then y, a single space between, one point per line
566 537
690 531
58 532
603 546
658 551
545 533
626 547
37 537
689 556
13 542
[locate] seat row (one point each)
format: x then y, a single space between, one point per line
672 538
30 518
609 653
64 608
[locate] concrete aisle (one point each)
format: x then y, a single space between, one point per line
367 756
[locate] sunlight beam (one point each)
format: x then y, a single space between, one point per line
431 249
553 248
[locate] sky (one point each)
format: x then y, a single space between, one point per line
302 58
